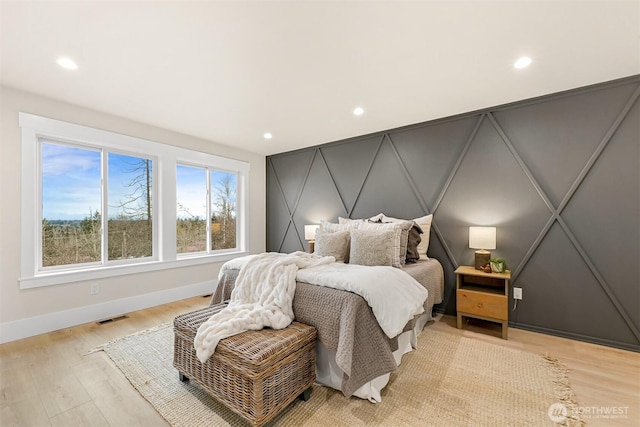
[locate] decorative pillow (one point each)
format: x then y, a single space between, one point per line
375 218
413 239
342 220
412 243
372 247
332 227
425 224
333 244
399 242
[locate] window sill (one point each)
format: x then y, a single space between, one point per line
64 277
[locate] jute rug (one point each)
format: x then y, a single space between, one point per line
449 380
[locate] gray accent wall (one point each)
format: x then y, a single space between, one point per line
559 176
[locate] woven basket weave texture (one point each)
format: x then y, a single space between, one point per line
255 373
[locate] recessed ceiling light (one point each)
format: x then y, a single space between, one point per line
267 135
358 111
522 62
67 63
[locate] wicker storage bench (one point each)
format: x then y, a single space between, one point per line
255 373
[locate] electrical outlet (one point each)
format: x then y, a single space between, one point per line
517 293
95 288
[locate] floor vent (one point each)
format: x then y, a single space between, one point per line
111 320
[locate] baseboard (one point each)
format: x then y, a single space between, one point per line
557 333
24 328
577 337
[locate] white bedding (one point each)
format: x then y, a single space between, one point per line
262 297
393 295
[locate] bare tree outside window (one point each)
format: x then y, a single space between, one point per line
130 204
223 210
136 203
191 209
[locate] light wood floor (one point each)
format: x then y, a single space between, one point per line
51 380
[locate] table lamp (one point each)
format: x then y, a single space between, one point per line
310 235
482 238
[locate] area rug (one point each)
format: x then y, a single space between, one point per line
450 380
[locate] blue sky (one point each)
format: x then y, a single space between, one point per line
71 183
192 190
191 185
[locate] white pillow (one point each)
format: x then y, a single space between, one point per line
375 218
332 227
425 224
342 220
400 236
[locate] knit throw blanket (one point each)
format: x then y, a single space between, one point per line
263 296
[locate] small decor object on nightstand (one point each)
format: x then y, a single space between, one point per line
498 265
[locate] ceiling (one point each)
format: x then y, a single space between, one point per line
230 71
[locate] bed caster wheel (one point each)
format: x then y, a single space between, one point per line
306 395
183 377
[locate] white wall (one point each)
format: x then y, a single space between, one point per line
32 311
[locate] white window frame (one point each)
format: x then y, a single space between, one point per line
104 208
208 169
165 157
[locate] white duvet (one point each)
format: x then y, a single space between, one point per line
264 289
393 295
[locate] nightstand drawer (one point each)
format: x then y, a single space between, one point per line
483 304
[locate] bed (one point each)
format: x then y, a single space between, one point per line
353 354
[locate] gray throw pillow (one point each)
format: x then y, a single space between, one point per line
399 242
372 247
412 243
333 244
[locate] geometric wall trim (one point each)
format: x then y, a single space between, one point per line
557 175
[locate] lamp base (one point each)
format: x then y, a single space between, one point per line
312 246
482 258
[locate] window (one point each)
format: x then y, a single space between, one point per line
72 209
223 210
191 213
205 209
99 204
129 207
71 205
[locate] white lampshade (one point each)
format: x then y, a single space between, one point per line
310 231
482 237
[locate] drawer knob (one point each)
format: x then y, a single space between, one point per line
479 305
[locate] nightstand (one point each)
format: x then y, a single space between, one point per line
483 296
